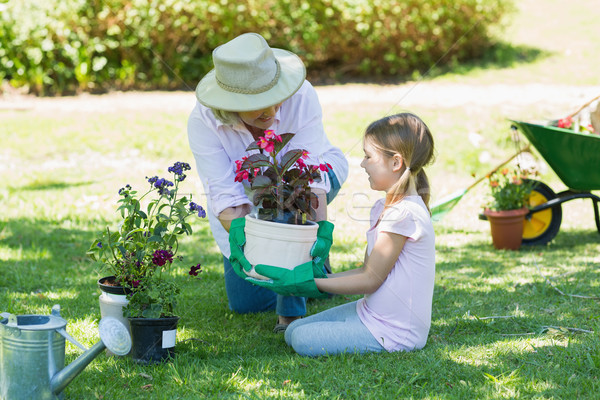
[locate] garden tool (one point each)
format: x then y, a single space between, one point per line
445 204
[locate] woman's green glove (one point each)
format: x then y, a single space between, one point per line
321 247
296 282
237 240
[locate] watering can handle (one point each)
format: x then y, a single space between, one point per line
12 319
71 339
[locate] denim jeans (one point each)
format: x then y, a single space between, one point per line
332 331
245 297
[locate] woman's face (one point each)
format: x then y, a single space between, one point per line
262 119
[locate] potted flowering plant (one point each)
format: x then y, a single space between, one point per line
283 200
280 181
139 253
506 210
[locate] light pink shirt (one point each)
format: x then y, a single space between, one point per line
398 314
217 146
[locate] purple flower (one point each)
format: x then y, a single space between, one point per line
178 169
161 257
161 184
135 284
197 207
99 244
195 269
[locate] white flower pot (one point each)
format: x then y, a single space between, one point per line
277 244
111 305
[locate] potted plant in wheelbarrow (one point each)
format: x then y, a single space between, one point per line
508 206
139 256
280 231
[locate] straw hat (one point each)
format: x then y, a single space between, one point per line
250 76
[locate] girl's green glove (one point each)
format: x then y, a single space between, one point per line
299 281
296 282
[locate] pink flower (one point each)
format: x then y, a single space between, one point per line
238 164
324 167
270 134
300 163
266 144
565 122
304 154
241 176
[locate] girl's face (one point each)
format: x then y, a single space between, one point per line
383 170
261 119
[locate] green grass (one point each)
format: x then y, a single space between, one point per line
497 315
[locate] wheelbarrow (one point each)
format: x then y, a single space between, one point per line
575 158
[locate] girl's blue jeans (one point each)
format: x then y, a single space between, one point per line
334 331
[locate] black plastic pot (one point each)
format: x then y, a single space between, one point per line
112 289
153 339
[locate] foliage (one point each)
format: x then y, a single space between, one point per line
146 243
509 190
280 181
66 46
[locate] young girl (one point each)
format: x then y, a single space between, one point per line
397 276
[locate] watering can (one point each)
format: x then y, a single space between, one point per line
32 353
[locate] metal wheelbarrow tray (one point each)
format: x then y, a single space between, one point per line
575 158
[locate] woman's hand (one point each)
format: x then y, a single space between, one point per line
231 213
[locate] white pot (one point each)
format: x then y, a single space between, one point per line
277 244
111 305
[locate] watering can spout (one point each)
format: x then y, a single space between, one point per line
62 378
113 334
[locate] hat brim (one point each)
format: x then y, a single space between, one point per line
292 75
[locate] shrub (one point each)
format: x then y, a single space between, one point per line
65 46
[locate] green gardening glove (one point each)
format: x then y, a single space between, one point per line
295 282
237 240
321 247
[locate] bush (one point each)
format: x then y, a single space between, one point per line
65 46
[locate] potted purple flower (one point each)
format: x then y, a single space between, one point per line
138 255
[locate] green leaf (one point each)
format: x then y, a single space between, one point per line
261 181
288 160
256 161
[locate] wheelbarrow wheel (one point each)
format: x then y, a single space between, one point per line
541 227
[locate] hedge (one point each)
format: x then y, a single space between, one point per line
67 46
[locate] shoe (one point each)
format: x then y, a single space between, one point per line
280 328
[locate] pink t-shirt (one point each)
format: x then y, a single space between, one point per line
398 314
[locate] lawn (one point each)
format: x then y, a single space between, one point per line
506 324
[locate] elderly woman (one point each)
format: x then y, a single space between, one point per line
253 88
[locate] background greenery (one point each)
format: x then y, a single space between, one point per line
64 46
500 326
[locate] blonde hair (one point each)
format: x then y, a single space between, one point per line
407 135
226 117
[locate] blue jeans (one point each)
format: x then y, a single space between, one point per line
245 297
332 331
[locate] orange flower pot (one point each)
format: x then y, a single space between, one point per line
507 227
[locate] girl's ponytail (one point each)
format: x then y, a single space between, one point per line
423 189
